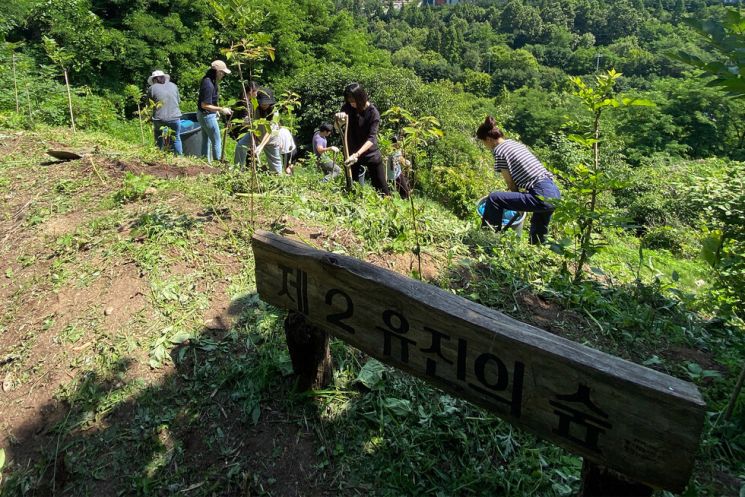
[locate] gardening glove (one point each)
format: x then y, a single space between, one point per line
351 160
341 117
226 111
334 149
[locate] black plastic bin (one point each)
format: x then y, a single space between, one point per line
191 133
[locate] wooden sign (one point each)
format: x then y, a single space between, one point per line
639 422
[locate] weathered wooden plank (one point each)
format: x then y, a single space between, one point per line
639 422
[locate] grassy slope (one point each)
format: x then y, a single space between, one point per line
138 359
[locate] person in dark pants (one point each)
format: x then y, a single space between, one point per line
167 113
320 148
363 121
531 185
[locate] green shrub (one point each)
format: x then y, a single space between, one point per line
665 237
458 188
134 187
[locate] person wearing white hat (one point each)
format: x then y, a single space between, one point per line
208 109
167 113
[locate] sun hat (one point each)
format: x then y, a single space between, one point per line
219 65
265 97
157 73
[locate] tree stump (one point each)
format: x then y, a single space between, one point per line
598 481
309 351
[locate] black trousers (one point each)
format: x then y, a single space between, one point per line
375 170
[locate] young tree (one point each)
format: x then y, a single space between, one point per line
416 134
132 92
588 180
62 58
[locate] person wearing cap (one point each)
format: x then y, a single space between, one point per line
208 110
167 111
267 134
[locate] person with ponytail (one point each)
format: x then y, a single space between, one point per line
531 186
363 121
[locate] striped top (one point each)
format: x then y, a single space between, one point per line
526 170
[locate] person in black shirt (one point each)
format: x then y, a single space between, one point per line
207 110
362 137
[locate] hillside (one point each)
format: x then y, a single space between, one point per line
137 359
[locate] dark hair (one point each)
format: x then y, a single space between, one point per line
489 129
354 91
212 74
325 127
250 87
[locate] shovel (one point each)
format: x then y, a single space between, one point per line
347 167
67 155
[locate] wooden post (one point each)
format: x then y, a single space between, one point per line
69 99
15 84
598 481
309 351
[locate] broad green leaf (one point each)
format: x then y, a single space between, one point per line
371 374
180 337
710 248
399 407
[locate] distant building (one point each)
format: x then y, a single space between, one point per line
440 2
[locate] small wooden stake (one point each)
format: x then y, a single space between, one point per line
69 100
598 481
309 351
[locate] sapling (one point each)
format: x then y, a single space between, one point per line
132 92
239 31
62 58
12 47
588 180
415 134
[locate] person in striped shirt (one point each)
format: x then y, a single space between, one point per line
531 185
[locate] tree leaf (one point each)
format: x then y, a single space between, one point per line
399 407
371 374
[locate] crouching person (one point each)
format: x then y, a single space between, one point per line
531 185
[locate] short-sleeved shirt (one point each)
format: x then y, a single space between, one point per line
363 126
208 94
318 140
166 94
524 167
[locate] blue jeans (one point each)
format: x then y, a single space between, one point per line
273 156
211 142
524 202
175 139
242 147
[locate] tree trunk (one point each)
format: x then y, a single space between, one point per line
69 100
139 118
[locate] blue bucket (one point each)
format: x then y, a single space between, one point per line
507 216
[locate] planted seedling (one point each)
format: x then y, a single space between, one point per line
132 92
416 134
62 58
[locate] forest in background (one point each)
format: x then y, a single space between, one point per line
669 177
